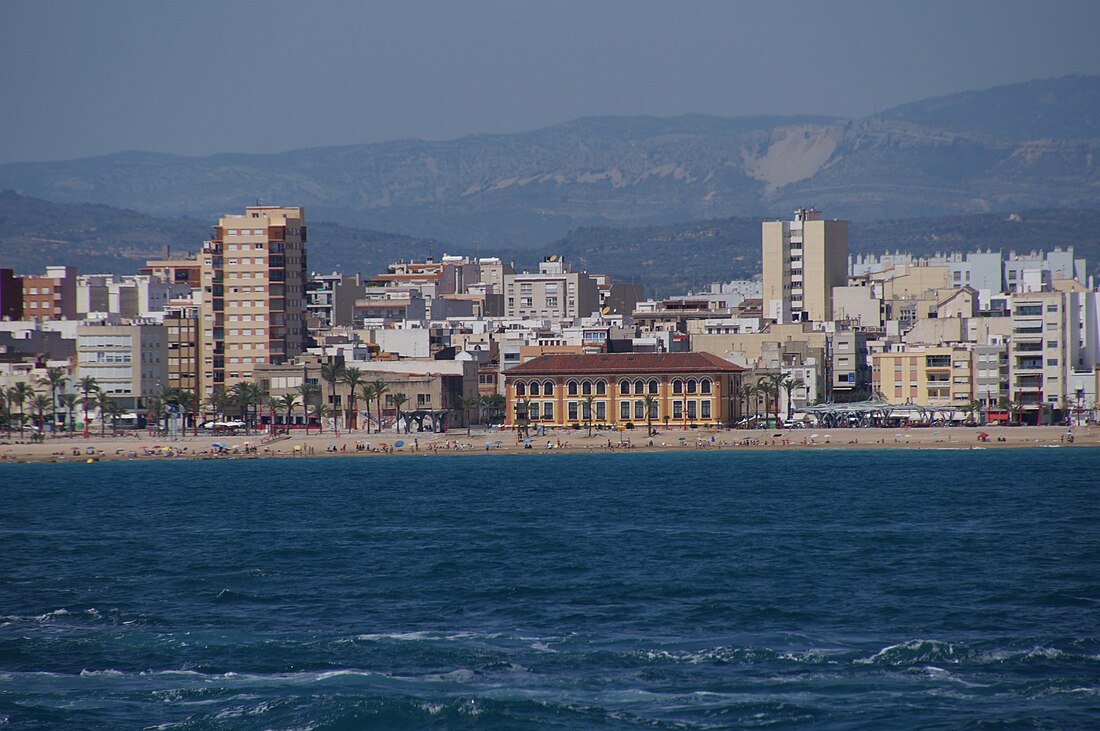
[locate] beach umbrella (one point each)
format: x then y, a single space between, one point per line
983 435
489 444
215 444
526 441
813 436
399 443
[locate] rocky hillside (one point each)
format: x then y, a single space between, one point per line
1025 146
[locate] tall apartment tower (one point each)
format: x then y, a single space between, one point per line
253 294
803 260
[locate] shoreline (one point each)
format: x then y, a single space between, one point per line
144 448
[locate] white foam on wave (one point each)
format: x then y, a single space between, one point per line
109 673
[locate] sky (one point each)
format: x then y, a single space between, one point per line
80 78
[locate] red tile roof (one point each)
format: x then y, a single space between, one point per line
624 363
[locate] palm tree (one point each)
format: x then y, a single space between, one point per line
20 394
246 394
307 391
749 394
55 380
68 400
352 378
790 384
5 410
88 386
41 403
588 408
275 405
217 401
493 405
366 392
320 411
154 411
290 402
332 372
114 410
469 404
104 403
650 406
380 389
399 400
974 407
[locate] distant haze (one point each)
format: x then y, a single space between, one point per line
204 76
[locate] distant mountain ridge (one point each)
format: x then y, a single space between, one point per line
1023 146
667 258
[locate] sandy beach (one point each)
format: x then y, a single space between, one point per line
134 446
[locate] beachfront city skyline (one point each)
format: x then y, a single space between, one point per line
242 330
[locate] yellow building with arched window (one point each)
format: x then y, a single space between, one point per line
612 389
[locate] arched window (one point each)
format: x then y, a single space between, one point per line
704 385
639 388
586 388
548 388
677 386
624 386
572 388
601 387
691 385
521 388
654 387
535 388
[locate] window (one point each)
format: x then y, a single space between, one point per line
704 409
624 386
624 410
535 388
691 409
548 388
521 389
654 387
586 388
548 410
1052 345
601 410
639 409
677 386
533 411
572 388
601 388
677 409
572 406
704 386
1052 361
551 301
639 388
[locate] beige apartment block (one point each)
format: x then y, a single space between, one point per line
554 293
932 376
1043 351
253 293
803 260
128 362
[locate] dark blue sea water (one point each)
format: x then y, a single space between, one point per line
858 589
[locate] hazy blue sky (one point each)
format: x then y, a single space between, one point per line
84 78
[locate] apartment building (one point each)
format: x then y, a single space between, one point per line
11 295
253 293
553 293
925 376
181 323
803 260
51 296
1043 351
128 362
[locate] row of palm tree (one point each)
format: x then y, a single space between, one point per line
769 387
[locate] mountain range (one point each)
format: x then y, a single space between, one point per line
667 258
1021 147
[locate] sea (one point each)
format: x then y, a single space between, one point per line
689 589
